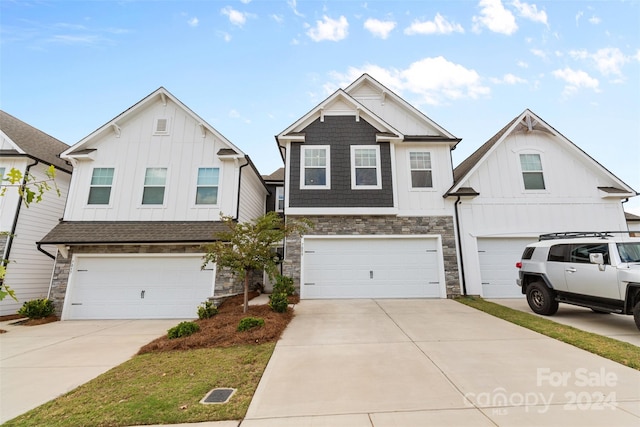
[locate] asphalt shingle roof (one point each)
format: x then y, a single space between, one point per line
34 142
132 232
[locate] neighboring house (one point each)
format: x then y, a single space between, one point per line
27 149
369 170
147 192
633 223
275 202
528 179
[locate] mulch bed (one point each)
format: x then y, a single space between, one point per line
220 330
26 322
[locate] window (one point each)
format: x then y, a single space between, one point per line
365 167
558 253
154 182
532 171
580 253
207 186
279 199
315 162
1 174
100 189
420 165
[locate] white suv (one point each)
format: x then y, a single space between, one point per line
596 270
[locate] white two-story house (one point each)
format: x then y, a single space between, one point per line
369 170
147 193
31 152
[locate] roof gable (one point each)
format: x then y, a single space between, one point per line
387 104
27 140
527 121
159 95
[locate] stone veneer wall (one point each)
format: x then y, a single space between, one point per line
226 282
379 225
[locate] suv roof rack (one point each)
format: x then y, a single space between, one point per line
579 234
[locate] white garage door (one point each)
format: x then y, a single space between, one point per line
372 268
498 270
137 287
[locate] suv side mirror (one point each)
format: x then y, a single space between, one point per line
597 259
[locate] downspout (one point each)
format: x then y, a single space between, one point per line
7 253
462 279
239 187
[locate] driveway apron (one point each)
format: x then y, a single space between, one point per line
433 362
39 363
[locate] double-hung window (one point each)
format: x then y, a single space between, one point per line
421 172
315 163
207 186
100 188
155 180
365 167
279 199
532 176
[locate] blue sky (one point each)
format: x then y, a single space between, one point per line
252 68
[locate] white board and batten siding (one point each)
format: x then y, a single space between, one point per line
137 286
182 150
252 196
29 272
372 267
496 224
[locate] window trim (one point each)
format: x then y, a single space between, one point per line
113 180
195 195
164 194
541 171
327 167
378 167
279 192
167 130
411 187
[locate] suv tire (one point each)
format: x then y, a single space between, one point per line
542 300
636 314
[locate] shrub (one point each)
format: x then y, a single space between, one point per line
207 310
183 329
278 302
37 308
250 322
284 285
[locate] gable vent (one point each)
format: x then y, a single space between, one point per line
162 126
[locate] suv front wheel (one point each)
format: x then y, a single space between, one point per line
541 299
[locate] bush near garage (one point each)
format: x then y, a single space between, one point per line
207 310
250 323
183 329
37 308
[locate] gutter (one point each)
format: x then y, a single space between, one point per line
457 217
7 253
240 185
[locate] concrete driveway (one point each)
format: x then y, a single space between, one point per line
616 326
39 363
433 362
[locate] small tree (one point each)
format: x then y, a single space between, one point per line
30 190
249 245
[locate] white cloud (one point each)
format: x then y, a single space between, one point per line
329 29
523 64
594 20
531 12
245 1
293 4
225 36
434 81
511 79
439 25
236 17
575 80
539 53
578 16
379 28
609 61
278 18
193 22
494 17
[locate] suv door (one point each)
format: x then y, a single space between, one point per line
585 278
556 264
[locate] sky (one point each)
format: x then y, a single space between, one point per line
251 68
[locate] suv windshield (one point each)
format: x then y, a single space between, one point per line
629 252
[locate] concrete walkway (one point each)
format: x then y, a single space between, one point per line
39 363
622 328
433 362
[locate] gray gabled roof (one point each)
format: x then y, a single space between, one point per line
33 142
277 175
133 232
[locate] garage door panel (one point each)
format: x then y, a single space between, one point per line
371 268
138 287
497 258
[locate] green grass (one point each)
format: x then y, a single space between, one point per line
159 388
622 352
